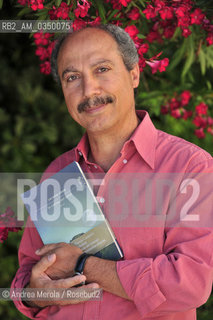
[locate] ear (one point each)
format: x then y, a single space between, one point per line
135 75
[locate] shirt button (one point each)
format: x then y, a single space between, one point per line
95 167
80 153
102 200
125 161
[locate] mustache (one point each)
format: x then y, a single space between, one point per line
94 102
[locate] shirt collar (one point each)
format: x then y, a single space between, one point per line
144 139
82 148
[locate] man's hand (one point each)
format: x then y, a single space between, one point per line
40 280
66 259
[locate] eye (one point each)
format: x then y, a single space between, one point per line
72 78
102 69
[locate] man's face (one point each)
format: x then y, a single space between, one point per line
98 89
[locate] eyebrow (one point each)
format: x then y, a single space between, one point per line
72 69
67 70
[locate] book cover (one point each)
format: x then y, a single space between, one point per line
64 209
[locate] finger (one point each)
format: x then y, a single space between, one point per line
45 249
69 282
92 285
43 264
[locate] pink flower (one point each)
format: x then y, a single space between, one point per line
154 36
42 53
184 22
201 109
164 109
185 97
158 65
209 39
115 4
82 9
187 114
23 2
143 48
142 63
210 130
174 104
150 12
210 121
176 113
63 11
169 31
124 2
166 13
78 24
42 39
53 13
95 22
36 4
132 31
186 32
181 11
8 222
200 122
50 48
134 14
200 133
3 234
159 4
197 16
45 67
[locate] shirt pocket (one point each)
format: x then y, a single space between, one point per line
146 239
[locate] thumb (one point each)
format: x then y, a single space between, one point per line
44 263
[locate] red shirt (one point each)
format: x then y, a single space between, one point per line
168 266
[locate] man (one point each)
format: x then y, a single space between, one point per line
167 267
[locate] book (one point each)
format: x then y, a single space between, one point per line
65 209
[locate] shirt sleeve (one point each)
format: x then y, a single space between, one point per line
30 242
180 278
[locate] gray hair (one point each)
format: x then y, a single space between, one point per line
125 44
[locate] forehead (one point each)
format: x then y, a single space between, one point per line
88 44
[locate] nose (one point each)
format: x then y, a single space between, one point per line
91 86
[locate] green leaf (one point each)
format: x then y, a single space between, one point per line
58 3
112 14
209 85
1 3
209 62
42 13
177 56
141 36
44 16
202 59
142 3
24 11
190 57
176 33
101 10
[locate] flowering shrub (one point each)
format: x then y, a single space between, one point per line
177 108
8 223
155 26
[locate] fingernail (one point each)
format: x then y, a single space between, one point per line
95 286
82 279
50 257
37 251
